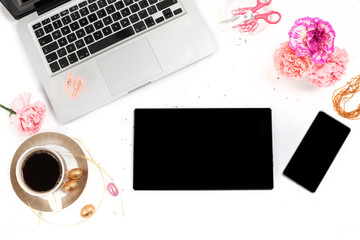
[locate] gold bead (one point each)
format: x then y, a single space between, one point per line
70 186
75 173
87 211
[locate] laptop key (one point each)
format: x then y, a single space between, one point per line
152 10
70 48
89 39
125 12
54 67
115 27
134 18
61 52
178 11
83 53
107 31
66 20
140 26
62 42
116 16
92 17
119 5
63 62
74 26
143 4
48 28
168 13
80 33
80 44
82 4
98 35
56 16
73 8
45 40
84 11
165 4
46 21
99 24
89 29
149 22
160 19
125 22
83 22
56 34
51 57
101 13
134 8
111 39
63 13
39 33
128 2
72 58
110 9
71 37
75 16
93 7
65 30
101 3
143 14
107 20
50 48
36 26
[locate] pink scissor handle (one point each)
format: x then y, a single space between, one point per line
260 4
267 17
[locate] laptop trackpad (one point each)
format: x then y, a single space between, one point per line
129 66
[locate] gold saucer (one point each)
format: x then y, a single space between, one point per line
49 138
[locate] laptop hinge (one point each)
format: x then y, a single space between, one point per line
45 6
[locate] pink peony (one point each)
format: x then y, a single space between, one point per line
312 37
327 74
290 65
28 118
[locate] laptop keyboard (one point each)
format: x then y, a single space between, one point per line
75 34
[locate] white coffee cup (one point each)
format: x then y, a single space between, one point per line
33 172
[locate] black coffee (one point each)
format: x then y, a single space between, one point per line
41 171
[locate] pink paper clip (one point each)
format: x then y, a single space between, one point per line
69 83
79 83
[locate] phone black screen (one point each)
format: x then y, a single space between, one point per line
316 151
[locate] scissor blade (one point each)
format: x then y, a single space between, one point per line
238 19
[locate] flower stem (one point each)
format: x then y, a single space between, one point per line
8 109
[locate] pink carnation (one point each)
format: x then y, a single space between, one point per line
312 37
327 74
29 117
290 65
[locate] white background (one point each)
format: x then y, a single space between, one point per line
240 74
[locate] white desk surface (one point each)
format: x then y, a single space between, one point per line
240 74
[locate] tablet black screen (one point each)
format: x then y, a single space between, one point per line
202 149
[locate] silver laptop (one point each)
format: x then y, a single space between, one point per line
110 47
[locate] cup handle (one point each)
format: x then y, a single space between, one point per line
55 201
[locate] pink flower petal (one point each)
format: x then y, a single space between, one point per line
29 117
290 65
21 101
312 37
330 72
